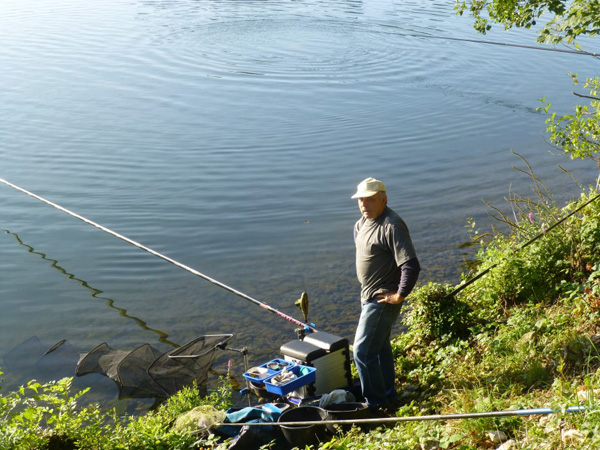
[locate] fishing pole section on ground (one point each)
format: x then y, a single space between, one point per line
427 418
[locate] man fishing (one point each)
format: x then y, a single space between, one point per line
387 269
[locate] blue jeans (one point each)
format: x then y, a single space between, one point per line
373 352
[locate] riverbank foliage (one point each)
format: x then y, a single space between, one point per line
48 416
525 335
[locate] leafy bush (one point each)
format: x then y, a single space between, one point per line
434 314
38 416
46 416
155 430
578 134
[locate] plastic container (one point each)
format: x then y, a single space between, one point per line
347 411
270 369
302 380
303 435
260 391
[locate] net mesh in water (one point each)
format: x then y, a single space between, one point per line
146 372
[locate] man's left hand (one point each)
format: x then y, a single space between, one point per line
393 298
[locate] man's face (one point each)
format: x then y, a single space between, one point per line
372 207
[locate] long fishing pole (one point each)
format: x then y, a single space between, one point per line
502 44
535 238
164 257
479 415
506 44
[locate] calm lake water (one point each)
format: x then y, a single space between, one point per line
230 135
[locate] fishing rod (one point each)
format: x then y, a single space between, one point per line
506 44
487 42
480 415
535 238
304 326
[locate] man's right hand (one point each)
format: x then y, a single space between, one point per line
393 298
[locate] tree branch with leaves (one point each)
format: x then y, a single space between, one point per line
569 19
577 134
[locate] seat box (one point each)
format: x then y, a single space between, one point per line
301 351
328 353
327 341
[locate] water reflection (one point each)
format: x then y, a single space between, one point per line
95 293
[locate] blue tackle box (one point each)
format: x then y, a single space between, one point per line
274 367
304 375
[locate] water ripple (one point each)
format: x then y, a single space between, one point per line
301 50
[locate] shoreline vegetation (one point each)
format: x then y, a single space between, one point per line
523 336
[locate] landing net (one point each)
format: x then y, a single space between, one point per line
146 372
